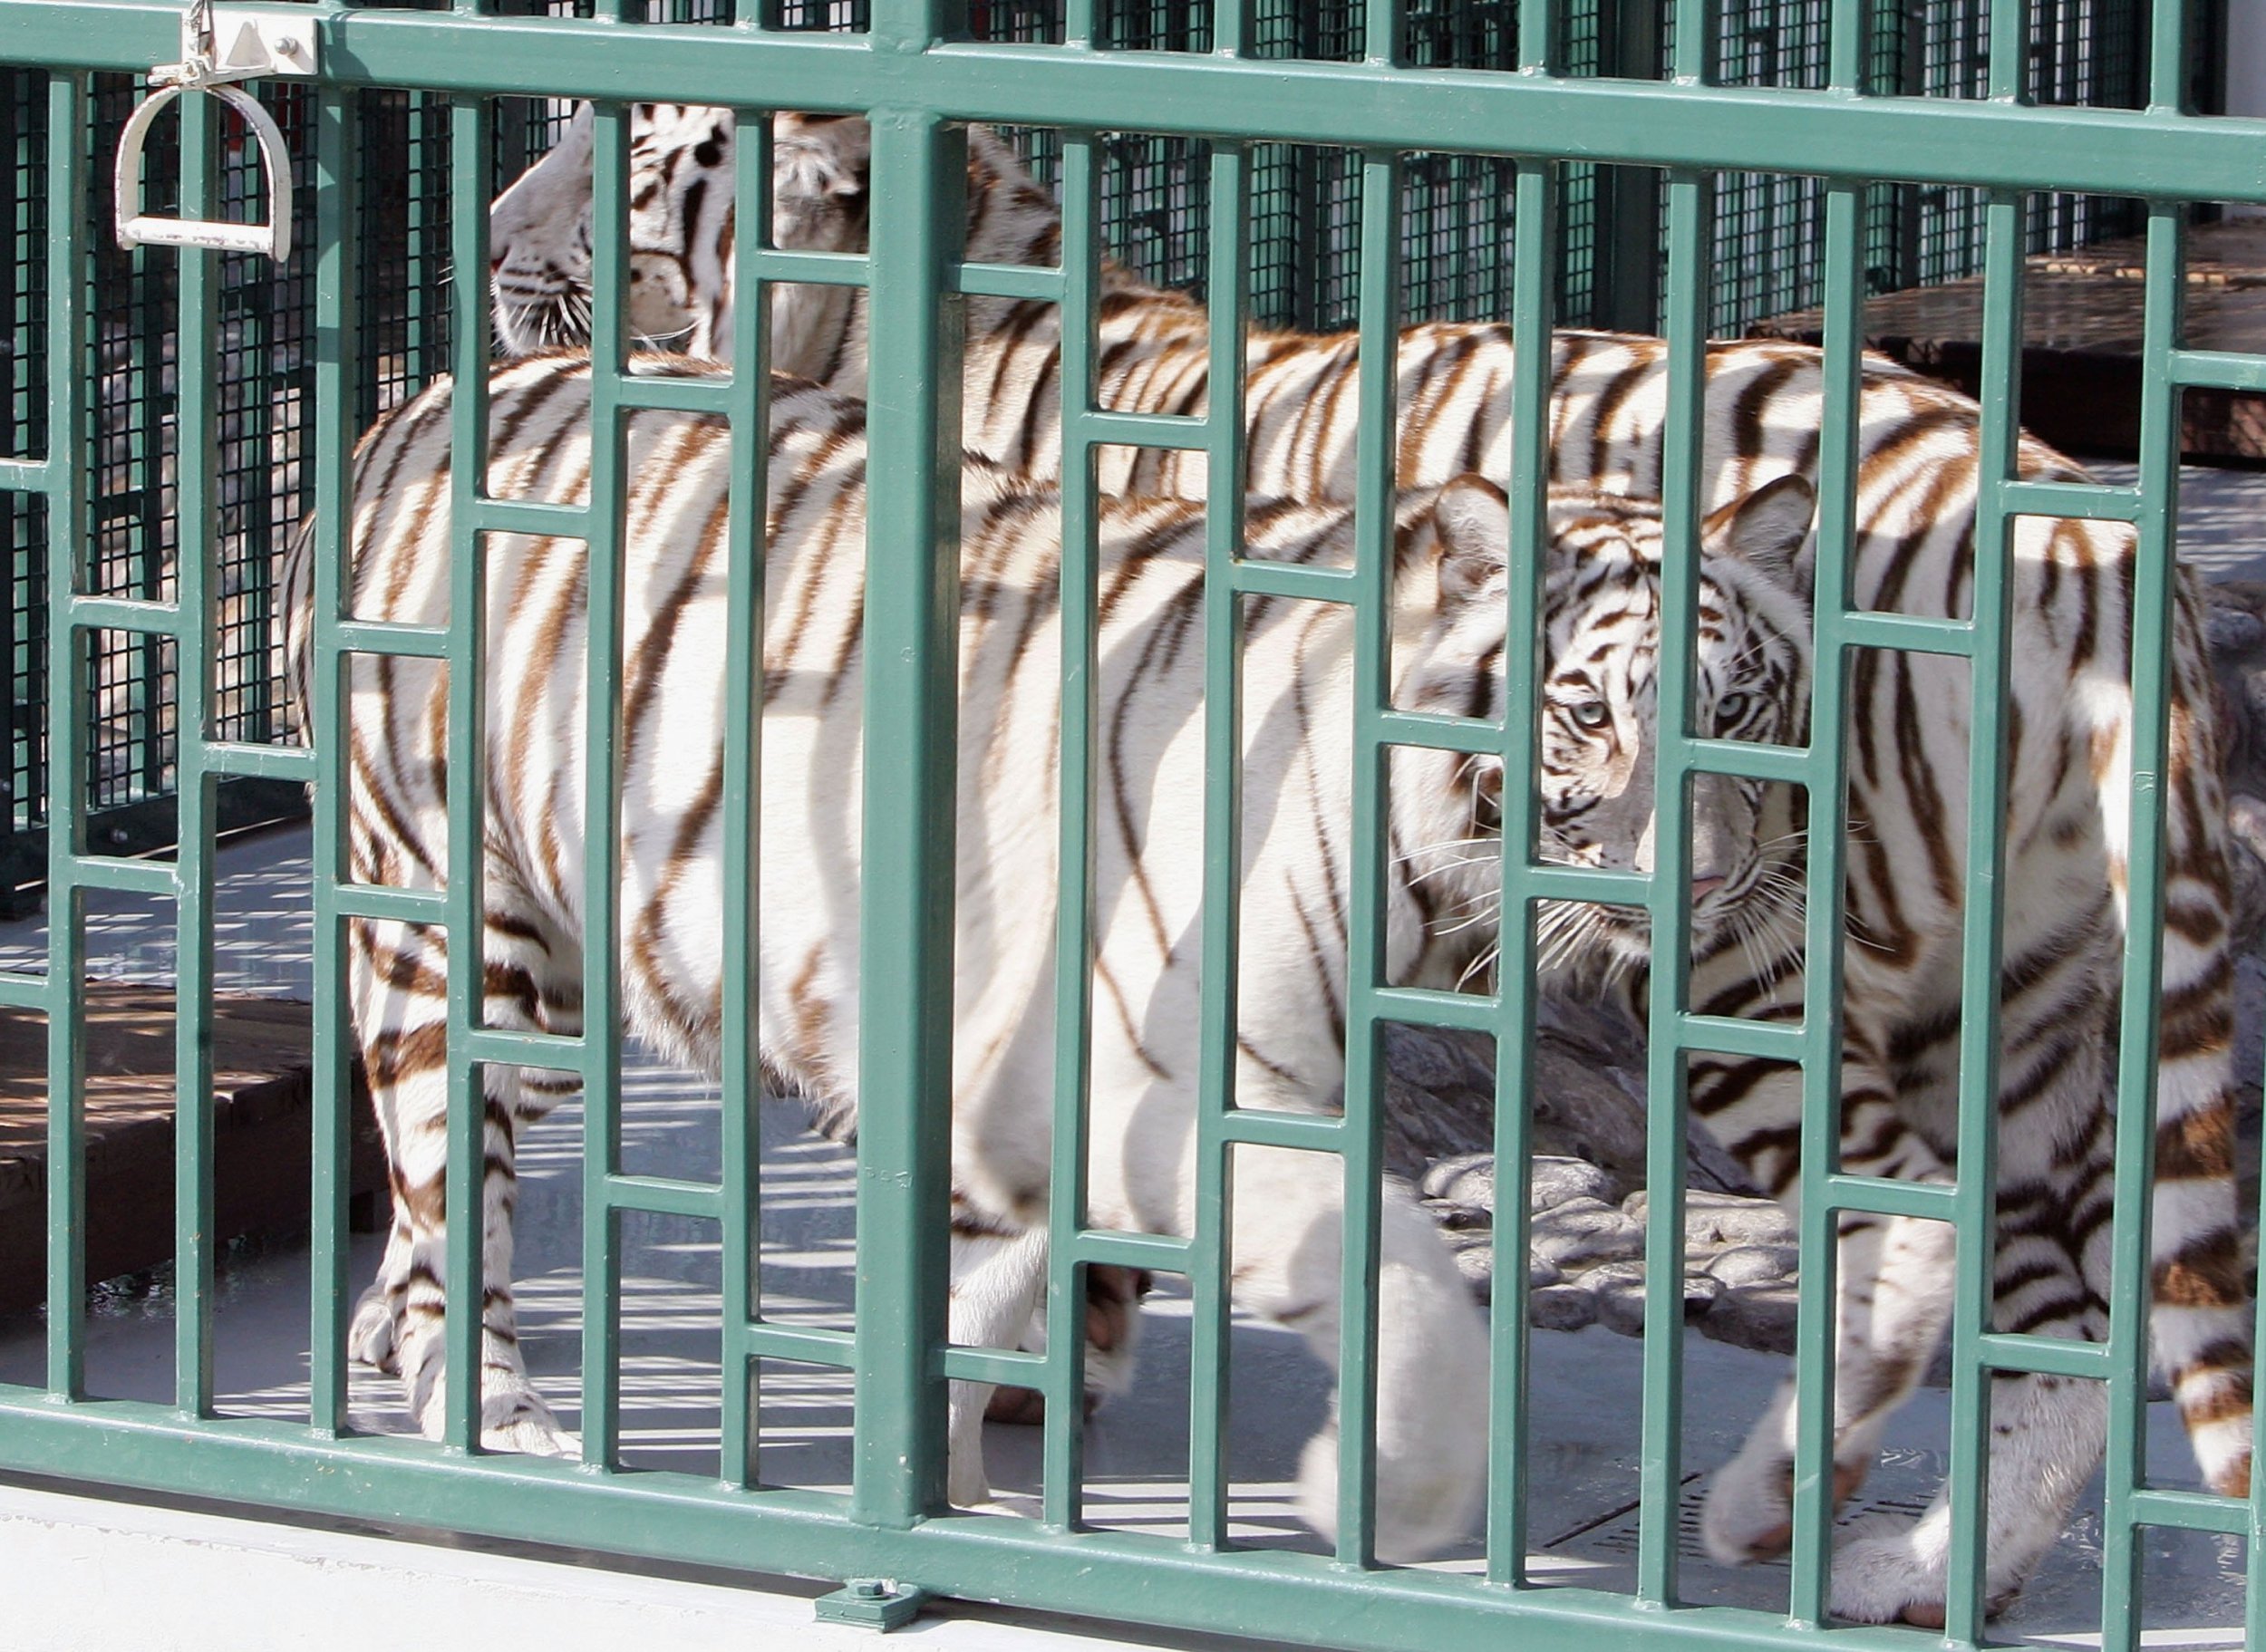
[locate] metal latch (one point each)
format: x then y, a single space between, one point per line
220 46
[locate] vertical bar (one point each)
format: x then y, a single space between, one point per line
1535 263
1823 900
1376 452
1229 307
1078 23
1977 1195
1538 41
911 735
2009 79
67 703
1658 1476
1381 44
2131 1275
602 781
1845 44
1062 1481
197 548
336 223
745 541
470 121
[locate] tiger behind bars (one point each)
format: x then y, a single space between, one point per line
1297 676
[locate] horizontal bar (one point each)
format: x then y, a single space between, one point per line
1308 1132
20 991
2076 500
1603 884
259 762
810 268
1161 1253
1793 764
129 876
2043 1356
2217 370
1914 633
1012 1367
505 1046
1133 430
2190 1511
1005 281
1356 105
1729 1035
1878 1196
810 1345
382 637
695 1521
125 614
526 516
1440 732
1431 1007
671 393
1256 578
384 905
24 476
665 1196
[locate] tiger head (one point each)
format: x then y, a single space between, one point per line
1597 727
681 233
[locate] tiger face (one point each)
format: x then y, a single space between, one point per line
680 231
1600 702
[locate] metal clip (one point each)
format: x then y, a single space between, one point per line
219 46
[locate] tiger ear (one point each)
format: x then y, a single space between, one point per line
1472 517
1770 530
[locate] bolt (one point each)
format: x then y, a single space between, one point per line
868 1588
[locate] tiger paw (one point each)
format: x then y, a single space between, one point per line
373 1335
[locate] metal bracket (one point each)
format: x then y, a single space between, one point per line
873 1603
219 46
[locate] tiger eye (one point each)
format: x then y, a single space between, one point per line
1593 714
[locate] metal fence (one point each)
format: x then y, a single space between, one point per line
1303 265
917 68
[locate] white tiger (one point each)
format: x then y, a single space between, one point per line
1298 678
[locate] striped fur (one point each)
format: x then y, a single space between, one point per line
1299 779
2069 755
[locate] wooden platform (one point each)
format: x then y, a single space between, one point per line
2082 316
263 1091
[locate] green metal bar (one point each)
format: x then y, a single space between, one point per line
664 1195
18 991
2074 499
2047 1356
1912 633
2131 1273
1479 737
126 613
2194 1511
384 637
1158 1252
809 268
676 395
27 474
1009 1367
1257 1127
2215 370
469 125
1729 1035
196 468
1146 430
1656 124
67 423
1784 764
1258 577
1005 281
1844 55
1063 1473
1977 1198
1118 1576
150 877
809 1344
520 516
233 758
1533 273
402 905
906 921
745 541
1659 1462
601 1067
337 221
1360 1133
1221 942
1824 896
1923 1200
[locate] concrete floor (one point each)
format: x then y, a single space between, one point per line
1585 1398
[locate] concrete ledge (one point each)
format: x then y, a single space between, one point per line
86 1574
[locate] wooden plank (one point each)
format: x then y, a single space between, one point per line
263 1093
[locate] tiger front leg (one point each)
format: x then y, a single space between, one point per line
1891 1298
399 988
